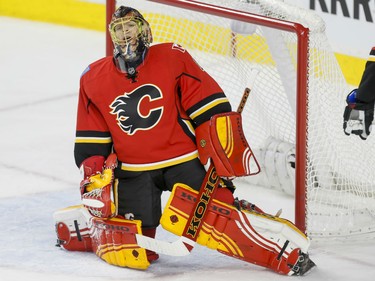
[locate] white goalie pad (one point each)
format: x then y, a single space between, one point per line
278 230
73 217
73 228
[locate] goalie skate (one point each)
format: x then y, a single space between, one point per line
304 265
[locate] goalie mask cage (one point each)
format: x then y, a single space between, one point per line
293 118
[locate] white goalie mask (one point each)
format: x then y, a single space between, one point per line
131 36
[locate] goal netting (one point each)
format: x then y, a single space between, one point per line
338 184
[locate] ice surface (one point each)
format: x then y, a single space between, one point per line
40 66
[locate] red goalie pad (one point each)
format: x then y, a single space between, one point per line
73 229
222 139
114 241
254 237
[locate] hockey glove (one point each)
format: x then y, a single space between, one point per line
358 116
96 190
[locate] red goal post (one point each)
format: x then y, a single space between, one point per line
302 66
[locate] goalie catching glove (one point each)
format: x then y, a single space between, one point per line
358 116
96 187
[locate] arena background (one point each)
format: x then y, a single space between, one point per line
91 15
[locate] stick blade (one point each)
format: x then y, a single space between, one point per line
181 247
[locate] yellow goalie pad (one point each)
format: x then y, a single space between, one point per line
251 236
115 242
177 212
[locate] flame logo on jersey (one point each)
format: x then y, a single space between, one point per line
137 110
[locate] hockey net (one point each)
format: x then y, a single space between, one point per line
293 119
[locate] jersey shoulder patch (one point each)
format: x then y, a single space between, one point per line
100 65
178 48
85 71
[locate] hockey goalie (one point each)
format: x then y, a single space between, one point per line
233 227
150 120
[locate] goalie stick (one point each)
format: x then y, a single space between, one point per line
186 242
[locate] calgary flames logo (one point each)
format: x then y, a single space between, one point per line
135 111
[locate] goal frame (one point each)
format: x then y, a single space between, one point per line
302 34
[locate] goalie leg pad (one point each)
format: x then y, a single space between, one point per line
254 237
72 228
115 242
222 140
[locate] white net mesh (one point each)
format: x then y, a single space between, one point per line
340 169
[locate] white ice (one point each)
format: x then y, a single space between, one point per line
40 66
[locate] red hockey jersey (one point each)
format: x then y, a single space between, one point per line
148 122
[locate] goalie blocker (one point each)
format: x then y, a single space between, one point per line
222 140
